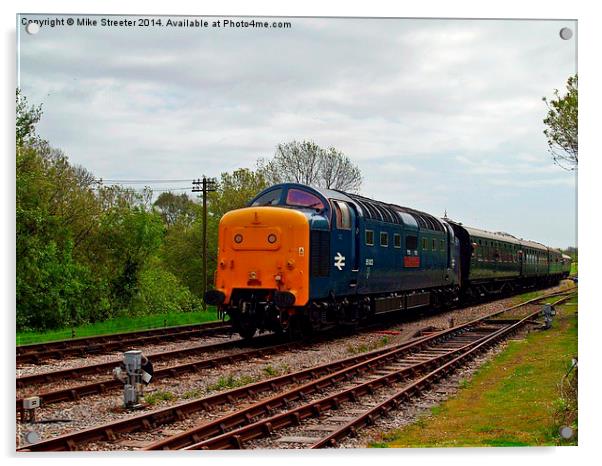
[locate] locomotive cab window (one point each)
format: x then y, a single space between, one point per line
269 198
300 198
396 240
342 214
369 238
384 239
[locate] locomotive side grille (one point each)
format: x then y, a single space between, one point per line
319 253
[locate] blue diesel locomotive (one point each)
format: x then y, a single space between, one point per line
300 258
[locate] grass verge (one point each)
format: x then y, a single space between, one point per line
118 325
565 285
512 400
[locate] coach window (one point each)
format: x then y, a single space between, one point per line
411 244
384 239
397 240
341 210
269 198
369 238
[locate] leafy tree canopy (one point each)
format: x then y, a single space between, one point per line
27 117
562 125
307 163
235 189
176 208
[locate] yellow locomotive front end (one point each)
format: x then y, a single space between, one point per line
262 267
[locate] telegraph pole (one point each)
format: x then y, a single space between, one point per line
206 185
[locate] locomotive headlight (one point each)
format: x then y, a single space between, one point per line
272 238
238 238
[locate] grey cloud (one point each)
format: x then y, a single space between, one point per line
429 109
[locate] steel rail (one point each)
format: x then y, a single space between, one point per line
393 402
77 392
108 343
293 417
235 439
180 411
71 373
147 421
111 336
102 368
39 352
266 407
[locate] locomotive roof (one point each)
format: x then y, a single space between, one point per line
378 210
391 213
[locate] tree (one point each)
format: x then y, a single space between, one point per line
27 118
85 252
235 190
131 237
338 172
562 126
182 252
307 163
174 208
161 291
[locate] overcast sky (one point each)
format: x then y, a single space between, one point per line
438 114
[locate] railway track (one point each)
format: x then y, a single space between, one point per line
102 344
38 353
75 393
406 377
367 416
105 367
348 379
261 346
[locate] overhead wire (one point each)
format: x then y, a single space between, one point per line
147 183
106 180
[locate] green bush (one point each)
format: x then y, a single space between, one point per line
160 291
53 289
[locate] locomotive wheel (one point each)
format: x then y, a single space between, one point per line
246 328
295 328
247 332
299 328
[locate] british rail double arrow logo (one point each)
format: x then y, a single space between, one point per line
339 261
